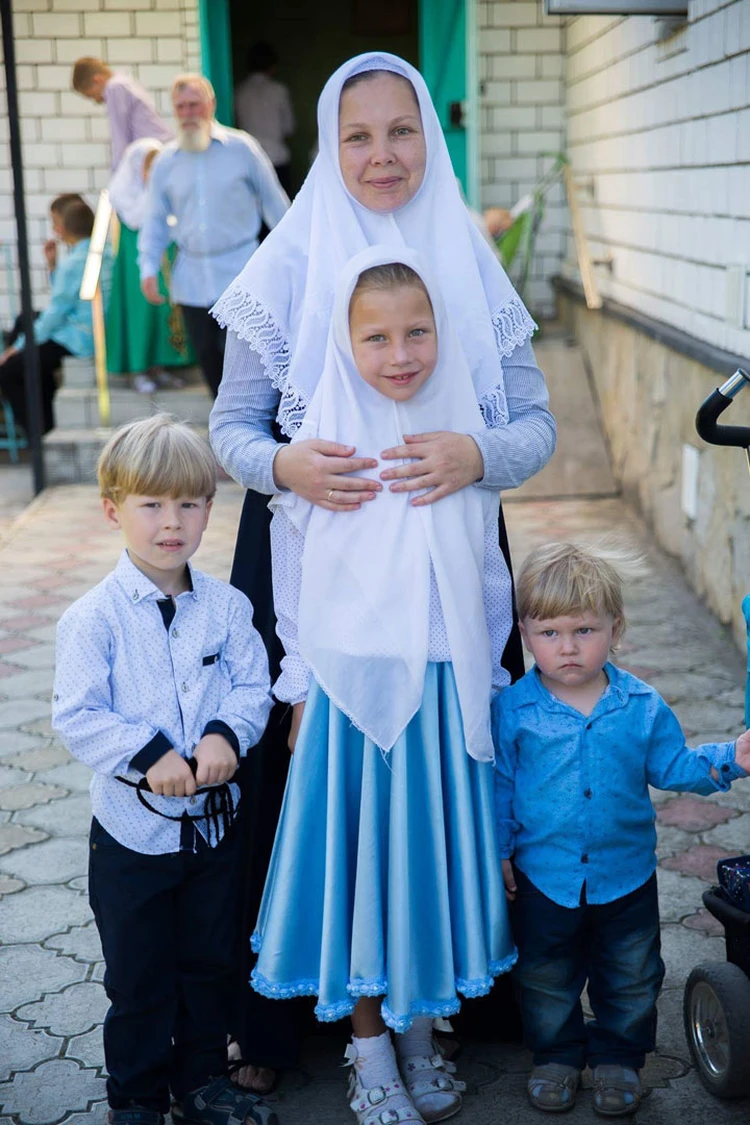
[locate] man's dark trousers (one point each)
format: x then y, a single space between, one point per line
208 339
168 930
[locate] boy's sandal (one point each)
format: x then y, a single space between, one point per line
552 1087
134 1116
428 1075
370 1105
617 1090
222 1103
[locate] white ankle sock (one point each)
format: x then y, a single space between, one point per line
376 1065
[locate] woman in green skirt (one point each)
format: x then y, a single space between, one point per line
142 339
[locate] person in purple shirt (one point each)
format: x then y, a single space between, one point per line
132 113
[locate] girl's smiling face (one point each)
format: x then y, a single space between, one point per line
382 150
394 339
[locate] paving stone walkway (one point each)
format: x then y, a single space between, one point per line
51 998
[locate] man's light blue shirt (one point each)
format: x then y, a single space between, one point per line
218 198
571 790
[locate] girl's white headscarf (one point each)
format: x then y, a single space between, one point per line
364 600
281 302
127 189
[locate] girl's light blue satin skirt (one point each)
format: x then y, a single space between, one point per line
385 878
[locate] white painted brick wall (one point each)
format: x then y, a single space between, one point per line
521 67
664 131
65 138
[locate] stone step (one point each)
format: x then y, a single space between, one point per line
77 408
70 456
77 372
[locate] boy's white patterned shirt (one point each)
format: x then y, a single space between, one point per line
121 678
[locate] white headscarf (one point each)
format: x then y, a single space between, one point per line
281 302
127 189
364 600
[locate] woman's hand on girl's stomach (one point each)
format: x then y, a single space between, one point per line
443 462
313 470
509 879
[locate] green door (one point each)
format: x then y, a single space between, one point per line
216 54
446 38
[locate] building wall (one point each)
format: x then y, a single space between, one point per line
648 396
659 133
522 74
65 138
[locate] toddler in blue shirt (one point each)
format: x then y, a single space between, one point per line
578 741
161 686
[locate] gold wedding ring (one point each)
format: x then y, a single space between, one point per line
330 494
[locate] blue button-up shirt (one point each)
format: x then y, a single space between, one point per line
218 198
122 680
571 790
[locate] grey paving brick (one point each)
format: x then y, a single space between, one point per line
39 912
51 1092
18 836
81 942
44 757
76 1009
22 1048
73 775
70 816
28 971
33 793
87 1048
16 712
54 861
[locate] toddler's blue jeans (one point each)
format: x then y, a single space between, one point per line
615 948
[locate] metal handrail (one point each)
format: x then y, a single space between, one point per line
91 291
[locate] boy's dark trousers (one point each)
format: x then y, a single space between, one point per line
616 948
168 929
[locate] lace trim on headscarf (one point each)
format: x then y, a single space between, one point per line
254 322
513 325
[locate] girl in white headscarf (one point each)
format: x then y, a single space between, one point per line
142 339
384 896
382 175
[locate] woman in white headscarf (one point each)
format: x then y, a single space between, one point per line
383 175
141 337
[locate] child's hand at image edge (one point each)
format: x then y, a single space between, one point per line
742 751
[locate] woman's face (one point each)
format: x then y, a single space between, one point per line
381 142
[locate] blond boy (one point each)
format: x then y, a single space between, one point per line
161 686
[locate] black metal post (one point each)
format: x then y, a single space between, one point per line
31 355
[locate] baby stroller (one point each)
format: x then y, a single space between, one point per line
716 1006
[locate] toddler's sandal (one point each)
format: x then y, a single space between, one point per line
222 1103
432 1087
617 1090
370 1104
552 1087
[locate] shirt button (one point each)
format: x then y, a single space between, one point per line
587 794
589 726
136 595
726 768
184 686
584 858
192 800
175 633
55 697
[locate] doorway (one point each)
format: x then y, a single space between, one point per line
312 39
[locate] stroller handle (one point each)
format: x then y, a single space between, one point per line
716 403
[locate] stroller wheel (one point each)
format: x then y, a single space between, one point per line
716 1011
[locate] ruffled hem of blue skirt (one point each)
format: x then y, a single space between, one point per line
328 1013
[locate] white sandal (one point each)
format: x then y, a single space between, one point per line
426 1075
370 1104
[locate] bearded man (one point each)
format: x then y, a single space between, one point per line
218 184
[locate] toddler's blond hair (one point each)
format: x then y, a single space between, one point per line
565 579
156 456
